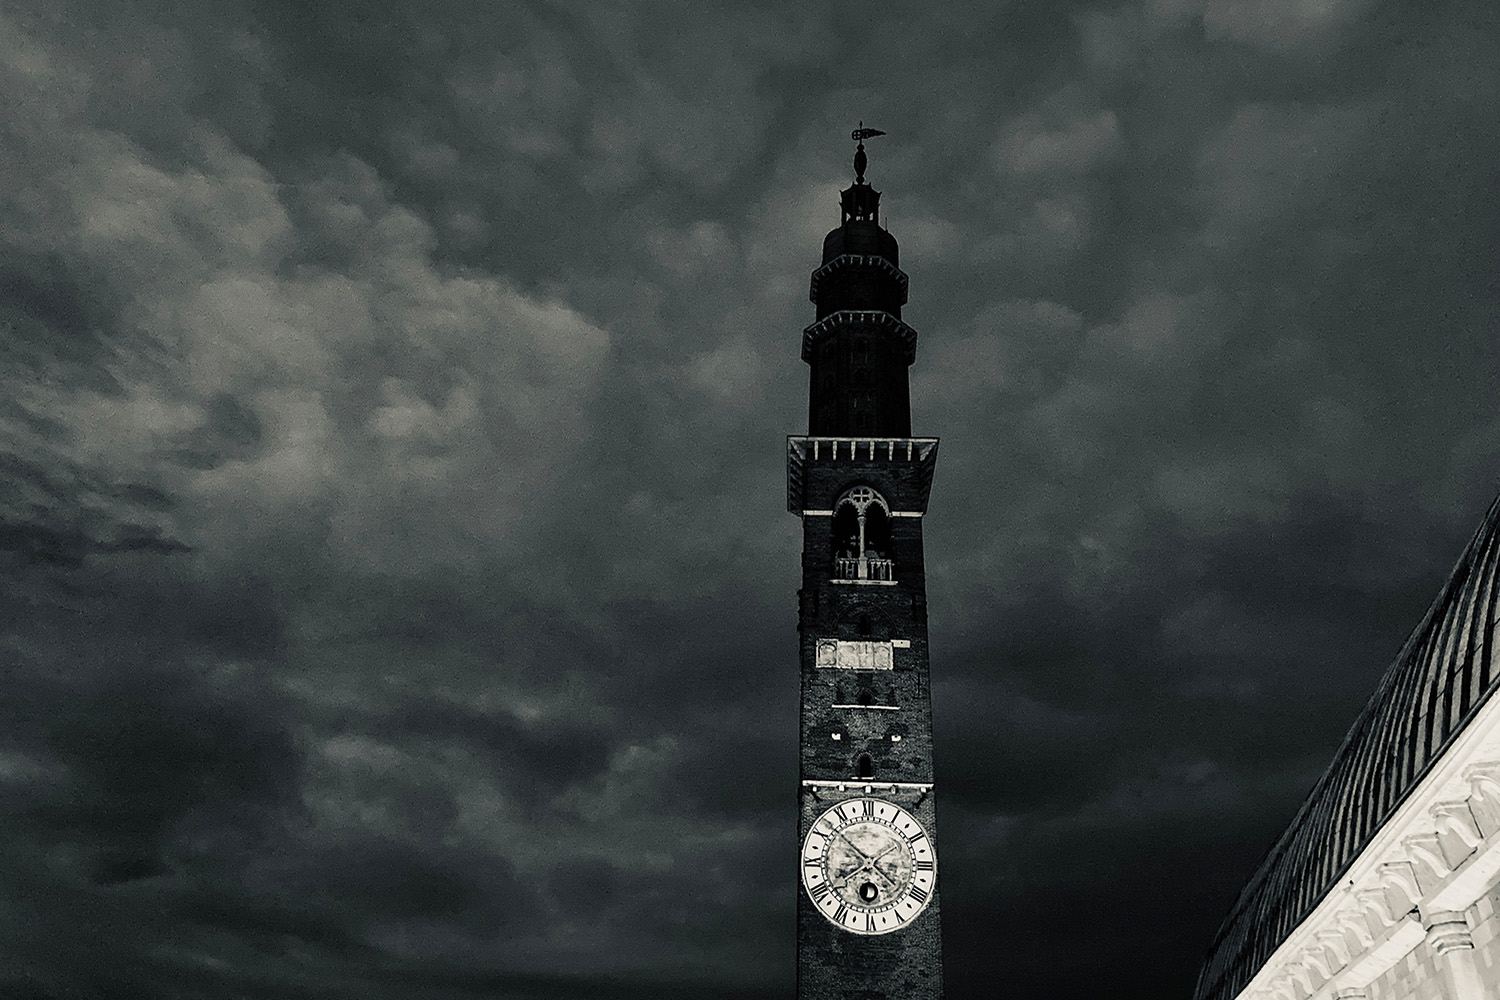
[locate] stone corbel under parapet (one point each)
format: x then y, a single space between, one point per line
1336 943
1428 865
1480 867
1403 891
1484 796
1376 907
1355 928
1389 947
1316 967
1302 976
1281 989
1457 831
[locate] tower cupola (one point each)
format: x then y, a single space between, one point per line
861 202
858 348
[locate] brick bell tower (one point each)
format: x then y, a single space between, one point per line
867 901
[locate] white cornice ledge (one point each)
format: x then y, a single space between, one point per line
1439 852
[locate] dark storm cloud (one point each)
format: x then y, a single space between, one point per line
144 758
399 594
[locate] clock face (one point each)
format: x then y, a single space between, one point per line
868 866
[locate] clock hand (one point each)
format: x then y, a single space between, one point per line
869 865
874 865
862 854
847 870
870 861
884 877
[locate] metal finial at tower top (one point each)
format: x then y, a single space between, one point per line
859 135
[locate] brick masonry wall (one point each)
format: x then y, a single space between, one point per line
835 964
1484 925
835 610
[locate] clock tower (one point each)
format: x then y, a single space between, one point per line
867 900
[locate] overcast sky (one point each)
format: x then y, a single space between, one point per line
398 591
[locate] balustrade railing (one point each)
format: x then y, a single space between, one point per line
863 568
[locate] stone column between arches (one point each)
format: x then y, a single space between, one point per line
1453 947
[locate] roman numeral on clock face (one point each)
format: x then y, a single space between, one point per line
852 832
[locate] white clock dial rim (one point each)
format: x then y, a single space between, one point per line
868 814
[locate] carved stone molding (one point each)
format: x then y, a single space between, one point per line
1354 925
1337 945
1281 988
1429 865
1447 931
1315 959
1430 861
1451 943
1484 796
1457 830
1377 907
1399 878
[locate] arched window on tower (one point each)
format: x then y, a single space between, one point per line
865 768
862 536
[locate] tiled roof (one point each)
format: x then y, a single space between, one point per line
1442 675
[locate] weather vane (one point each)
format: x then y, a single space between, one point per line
859 135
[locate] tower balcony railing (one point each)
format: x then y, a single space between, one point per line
864 568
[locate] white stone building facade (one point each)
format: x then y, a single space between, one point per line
1386 885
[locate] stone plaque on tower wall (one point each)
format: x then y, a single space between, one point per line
847 654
